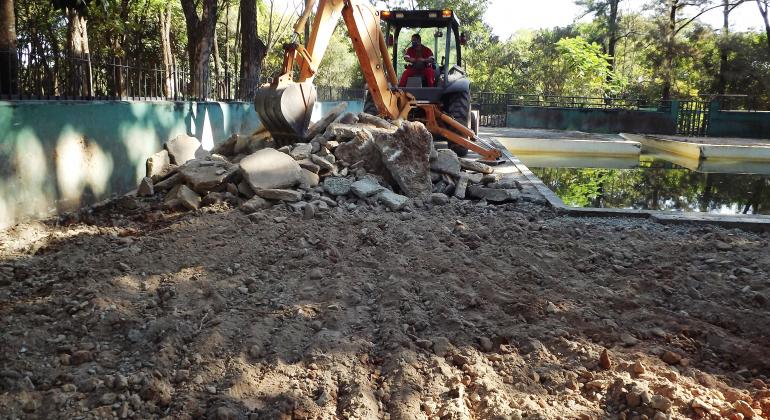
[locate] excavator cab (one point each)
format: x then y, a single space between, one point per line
440 31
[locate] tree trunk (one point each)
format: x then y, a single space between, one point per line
8 62
200 39
612 24
217 68
253 51
165 42
668 60
763 11
723 46
80 57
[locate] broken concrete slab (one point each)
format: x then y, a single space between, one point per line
309 179
279 194
374 121
324 164
475 166
366 187
158 165
301 151
269 168
184 148
252 143
406 155
145 189
506 183
344 132
309 165
446 162
168 183
362 151
255 204
439 199
244 189
492 194
203 176
349 118
392 200
182 197
461 186
321 125
337 185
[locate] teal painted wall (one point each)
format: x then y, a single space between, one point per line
58 155
591 120
755 125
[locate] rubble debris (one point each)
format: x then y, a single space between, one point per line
278 194
184 148
366 187
494 195
337 185
475 166
203 176
158 165
182 196
269 168
446 162
406 155
321 125
145 188
392 200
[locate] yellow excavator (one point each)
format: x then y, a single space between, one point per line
285 105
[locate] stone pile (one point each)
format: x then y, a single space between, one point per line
348 161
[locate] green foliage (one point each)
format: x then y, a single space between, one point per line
587 72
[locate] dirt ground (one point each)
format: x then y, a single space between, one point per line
458 312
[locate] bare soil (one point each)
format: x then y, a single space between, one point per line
458 312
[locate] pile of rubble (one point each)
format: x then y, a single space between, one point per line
352 160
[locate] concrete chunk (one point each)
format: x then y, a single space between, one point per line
301 151
337 185
492 194
406 155
255 204
146 188
366 187
475 166
392 200
182 197
446 163
364 118
279 194
203 176
269 168
184 148
158 165
320 126
461 186
309 179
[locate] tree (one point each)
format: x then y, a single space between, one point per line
164 21
200 40
8 65
608 9
253 50
763 10
724 45
81 73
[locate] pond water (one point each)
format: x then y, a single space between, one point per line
655 182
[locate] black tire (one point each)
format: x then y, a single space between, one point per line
369 106
458 106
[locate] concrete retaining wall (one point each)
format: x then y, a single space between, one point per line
591 120
754 125
58 155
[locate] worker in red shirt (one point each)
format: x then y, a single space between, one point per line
421 62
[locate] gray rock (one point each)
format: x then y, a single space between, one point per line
439 199
659 402
321 125
227 147
492 194
146 188
446 163
308 212
364 118
203 176
349 118
309 179
309 165
158 165
337 186
472 165
301 151
406 155
322 163
255 204
392 200
461 186
182 197
269 168
441 346
252 143
184 148
344 132
474 178
506 183
366 187
361 148
489 178
279 194
245 190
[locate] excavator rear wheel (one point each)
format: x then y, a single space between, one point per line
458 106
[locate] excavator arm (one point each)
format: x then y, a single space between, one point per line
285 106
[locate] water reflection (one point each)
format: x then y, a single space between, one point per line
656 182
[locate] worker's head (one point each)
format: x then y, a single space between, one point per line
416 40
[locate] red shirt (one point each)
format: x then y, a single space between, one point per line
411 52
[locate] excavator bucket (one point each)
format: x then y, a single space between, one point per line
285 110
